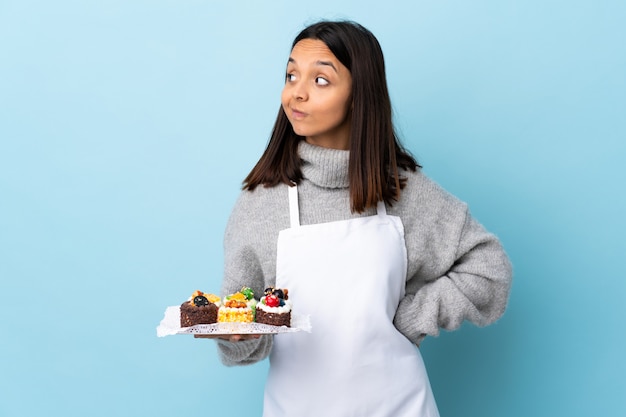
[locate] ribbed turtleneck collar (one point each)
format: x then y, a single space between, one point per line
324 167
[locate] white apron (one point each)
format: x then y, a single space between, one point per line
349 276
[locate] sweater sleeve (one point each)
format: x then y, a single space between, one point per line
475 287
242 267
245 352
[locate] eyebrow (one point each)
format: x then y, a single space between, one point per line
327 63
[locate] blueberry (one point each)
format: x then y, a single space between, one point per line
279 293
200 300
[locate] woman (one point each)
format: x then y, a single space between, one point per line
378 255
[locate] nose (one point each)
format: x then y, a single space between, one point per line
300 92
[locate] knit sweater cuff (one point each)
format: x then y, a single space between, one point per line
244 352
407 322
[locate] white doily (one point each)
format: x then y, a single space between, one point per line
171 325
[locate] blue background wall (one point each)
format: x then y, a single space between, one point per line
126 127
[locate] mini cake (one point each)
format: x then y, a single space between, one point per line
201 308
238 307
274 308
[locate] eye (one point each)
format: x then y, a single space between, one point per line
290 77
321 81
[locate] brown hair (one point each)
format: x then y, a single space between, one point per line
375 152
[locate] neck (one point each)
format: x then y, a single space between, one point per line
338 138
343 145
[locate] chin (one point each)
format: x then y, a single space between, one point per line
299 132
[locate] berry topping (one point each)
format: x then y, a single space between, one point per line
272 301
278 292
200 300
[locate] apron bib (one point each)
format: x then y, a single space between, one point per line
349 276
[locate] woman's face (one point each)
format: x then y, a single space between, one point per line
317 95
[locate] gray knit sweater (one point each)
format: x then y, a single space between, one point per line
456 270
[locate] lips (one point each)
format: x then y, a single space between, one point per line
297 114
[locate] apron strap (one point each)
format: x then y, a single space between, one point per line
381 209
294 212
